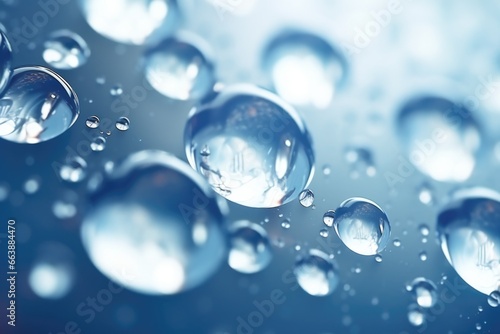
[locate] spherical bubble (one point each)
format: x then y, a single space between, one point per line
38 105
74 170
494 298
469 232
93 122
98 144
424 291
304 68
178 68
154 225
416 316
442 139
250 250
251 147
122 124
65 50
5 62
130 21
362 226
306 198
316 273
52 275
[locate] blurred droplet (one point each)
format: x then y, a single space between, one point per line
116 90
494 298
422 256
416 316
31 186
316 273
98 144
65 50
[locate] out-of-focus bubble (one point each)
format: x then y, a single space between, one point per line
122 124
426 194
396 242
65 50
52 275
98 144
116 90
416 315
251 147
469 233
129 21
304 68
32 185
37 105
178 68
424 229
306 198
154 225
63 210
5 63
74 170
250 251
360 161
442 139
316 273
424 291
362 226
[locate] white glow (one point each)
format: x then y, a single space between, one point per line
50 281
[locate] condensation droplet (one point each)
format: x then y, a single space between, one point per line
93 122
122 124
306 198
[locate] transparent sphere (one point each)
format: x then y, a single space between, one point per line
154 225
316 273
442 139
469 232
129 21
251 147
5 61
250 250
362 226
178 68
65 50
424 291
38 105
304 68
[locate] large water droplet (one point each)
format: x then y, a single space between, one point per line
441 139
37 105
5 62
65 50
129 21
424 291
469 232
179 69
250 250
154 225
316 273
304 68
260 153
362 226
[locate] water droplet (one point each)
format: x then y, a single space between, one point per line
144 216
327 170
360 161
100 80
362 226
468 231
131 23
63 209
324 233
279 242
179 69
98 144
37 105
31 186
250 250
65 50
441 139
286 224
123 124
260 152
75 170
480 308
424 291
328 218
357 270
304 68
5 63
416 316
316 273
4 192
494 298
116 90
424 229
478 326
306 198
426 194
93 122
423 256
396 242
378 258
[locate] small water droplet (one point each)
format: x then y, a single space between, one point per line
416 316
494 299
31 186
285 224
324 233
116 90
123 124
424 229
480 308
75 170
63 210
424 291
327 170
396 242
328 218
378 258
93 122
423 256
65 50
425 194
100 80
98 144
316 273
306 198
